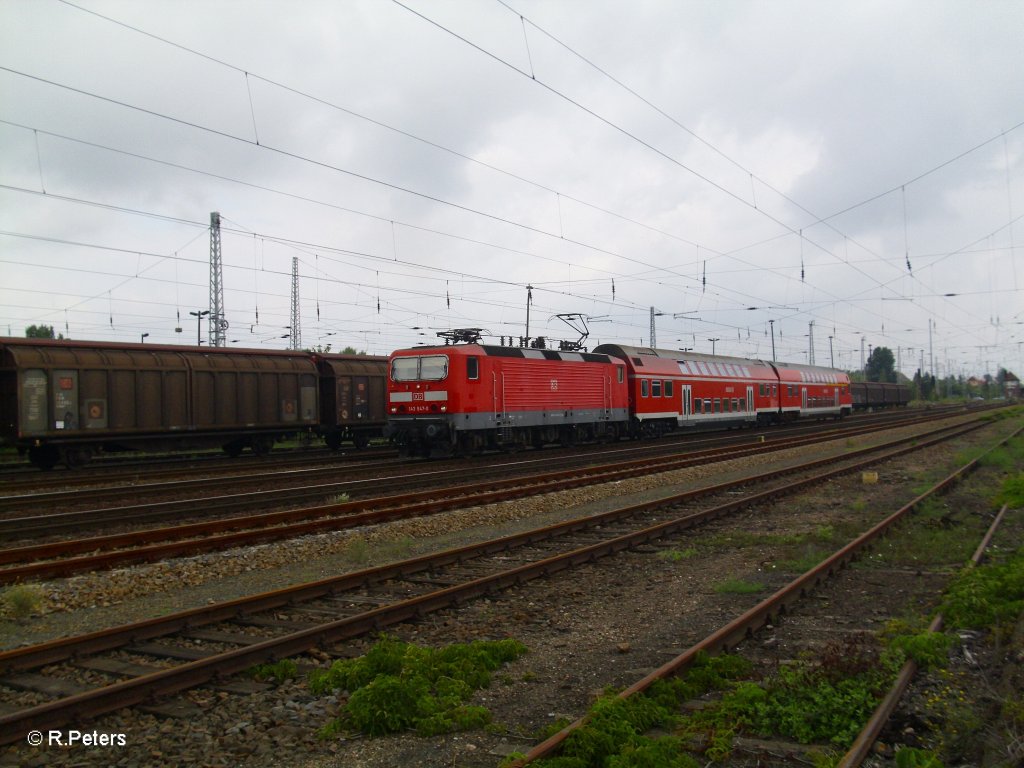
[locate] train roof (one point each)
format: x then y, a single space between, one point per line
17 342
624 351
493 350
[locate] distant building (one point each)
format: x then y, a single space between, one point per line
1011 386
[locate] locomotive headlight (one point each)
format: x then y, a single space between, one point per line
444 409
394 409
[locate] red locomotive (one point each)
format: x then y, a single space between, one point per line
464 398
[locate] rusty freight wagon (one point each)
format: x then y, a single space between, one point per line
63 401
353 398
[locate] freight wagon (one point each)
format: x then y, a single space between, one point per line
64 401
877 394
353 398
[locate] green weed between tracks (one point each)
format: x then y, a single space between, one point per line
824 700
399 686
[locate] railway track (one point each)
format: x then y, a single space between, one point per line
33 483
63 558
305 486
778 609
76 487
222 639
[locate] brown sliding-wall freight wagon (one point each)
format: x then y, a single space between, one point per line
353 392
66 400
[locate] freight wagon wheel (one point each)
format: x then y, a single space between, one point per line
261 446
361 441
333 441
44 456
76 458
234 450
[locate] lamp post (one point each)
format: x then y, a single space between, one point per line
199 315
713 344
142 338
831 357
772 324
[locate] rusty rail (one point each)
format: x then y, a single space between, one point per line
861 746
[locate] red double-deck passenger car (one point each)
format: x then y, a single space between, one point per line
670 389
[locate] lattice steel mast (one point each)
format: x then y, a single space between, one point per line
218 324
296 334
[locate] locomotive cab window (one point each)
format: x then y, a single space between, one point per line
426 368
472 368
620 371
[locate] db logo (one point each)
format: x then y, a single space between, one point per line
417 395
554 385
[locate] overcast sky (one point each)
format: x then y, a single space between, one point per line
728 163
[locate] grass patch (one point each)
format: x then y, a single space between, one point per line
802 563
358 550
399 549
614 733
826 700
400 686
934 536
675 555
738 587
286 669
1012 492
22 600
988 597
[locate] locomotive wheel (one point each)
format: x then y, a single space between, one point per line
44 456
